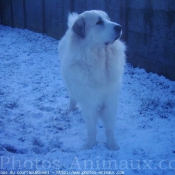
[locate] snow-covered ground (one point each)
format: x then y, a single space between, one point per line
38 134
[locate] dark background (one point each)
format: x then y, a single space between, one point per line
148 25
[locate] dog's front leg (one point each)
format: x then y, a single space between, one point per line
109 121
91 121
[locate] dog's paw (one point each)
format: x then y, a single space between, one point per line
112 146
88 145
72 109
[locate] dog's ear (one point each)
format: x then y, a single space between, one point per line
79 27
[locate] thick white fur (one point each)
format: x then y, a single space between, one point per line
92 69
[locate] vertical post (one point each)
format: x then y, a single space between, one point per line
24 7
43 18
11 13
1 11
72 5
123 17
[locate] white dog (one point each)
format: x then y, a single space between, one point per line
92 64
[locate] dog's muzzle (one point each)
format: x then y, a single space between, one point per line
118 31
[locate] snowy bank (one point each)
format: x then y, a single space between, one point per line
38 136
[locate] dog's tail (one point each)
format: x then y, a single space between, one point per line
71 19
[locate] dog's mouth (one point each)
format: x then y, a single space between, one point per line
116 38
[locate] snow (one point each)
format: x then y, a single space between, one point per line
39 136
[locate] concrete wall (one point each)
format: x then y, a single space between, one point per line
148 25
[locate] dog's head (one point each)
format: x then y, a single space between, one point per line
95 27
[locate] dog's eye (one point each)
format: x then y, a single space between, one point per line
99 22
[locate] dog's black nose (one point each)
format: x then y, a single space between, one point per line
118 28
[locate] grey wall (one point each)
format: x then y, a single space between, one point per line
148 25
